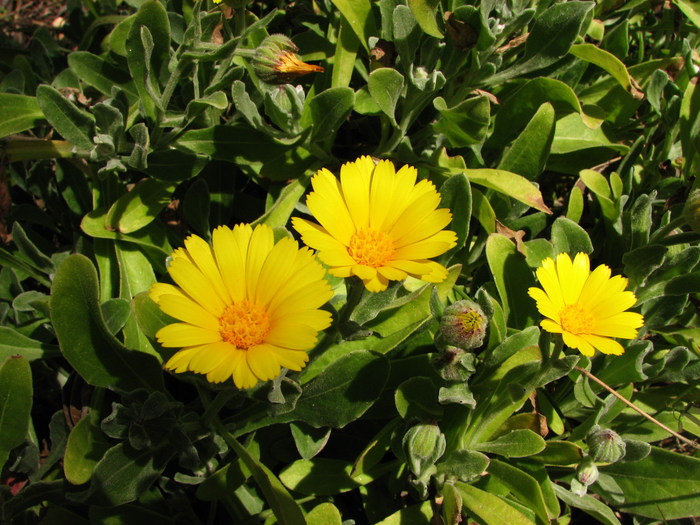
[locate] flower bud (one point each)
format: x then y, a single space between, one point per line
605 446
587 472
276 61
463 324
691 210
423 445
454 364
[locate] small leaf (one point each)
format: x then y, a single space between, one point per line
14 343
15 404
319 477
528 154
308 440
515 444
18 113
359 15
385 85
75 125
123 474
465 124
489 508
324 514
140 206
522 485
84 338
509 184
425 12
588 504
95 71
327 111
416 398
86 446
605 60
569 237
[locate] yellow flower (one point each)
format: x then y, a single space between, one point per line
248 306
377 224
587 308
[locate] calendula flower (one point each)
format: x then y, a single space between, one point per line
247 306
587 308
377 223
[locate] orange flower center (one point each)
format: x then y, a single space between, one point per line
244 324
371 247
576 320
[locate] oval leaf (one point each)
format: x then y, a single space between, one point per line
15 404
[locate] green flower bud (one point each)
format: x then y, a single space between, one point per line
463 324
276 62
691 210
606 446
455 364
587 472
423 445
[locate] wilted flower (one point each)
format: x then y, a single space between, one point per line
377 224
276 61
587 308
248 306
463 325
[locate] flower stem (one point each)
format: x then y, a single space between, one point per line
636 408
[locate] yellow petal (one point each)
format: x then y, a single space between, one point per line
261 243
604 344
574 341
230 252
551 326
180 335
198 287
210 357
262 363
291 359
548 278
185 309
180 361
328 207
355 179
544 304
200 252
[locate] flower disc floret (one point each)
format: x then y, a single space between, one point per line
377 223
247 306
587 308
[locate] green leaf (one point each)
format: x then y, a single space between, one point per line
488 508
75 125
559 453
18 113
509 184
456 194
95 71
463 465
327 111
552 34
465 124
277 215
664 485
587 504
123 474
425 12
569 237
15 404
14 343
216 100
513 277
324 514
140 206
416 398
240 144
605 60
523 486
152 236
84 337
417 514
344 56
515 444
86 446
528 154
319 477
385 85
690 9
343 391
359 15
283 505
309 440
